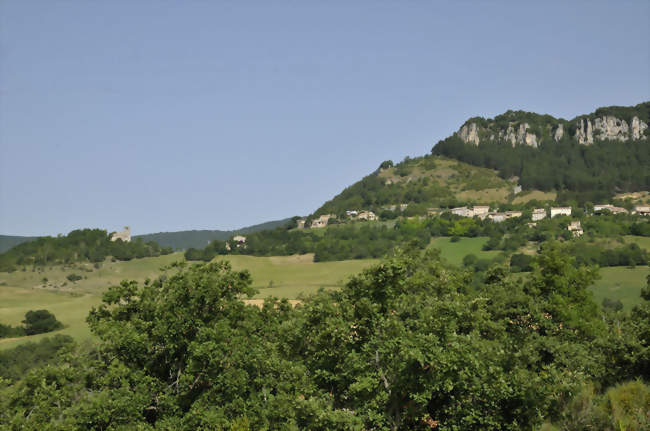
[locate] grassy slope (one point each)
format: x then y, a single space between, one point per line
21 291
451 178
621 283
642 241
454 252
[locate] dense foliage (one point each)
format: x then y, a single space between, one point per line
83 245
14 363
408 344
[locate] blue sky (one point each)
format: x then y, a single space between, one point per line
173 115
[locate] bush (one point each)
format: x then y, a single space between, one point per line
40 321
73 277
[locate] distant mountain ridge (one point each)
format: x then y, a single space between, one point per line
183 240
9 241
180 240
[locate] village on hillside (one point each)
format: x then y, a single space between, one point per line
482 212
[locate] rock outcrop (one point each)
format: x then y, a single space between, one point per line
521 136
584 132
638 128
611 128
612 123
469 133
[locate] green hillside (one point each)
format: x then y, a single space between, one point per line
421 183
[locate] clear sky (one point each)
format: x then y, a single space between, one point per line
173 115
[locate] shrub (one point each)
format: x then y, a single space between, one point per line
73 277
40 321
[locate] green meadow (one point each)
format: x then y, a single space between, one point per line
290 277
283 277
621 283
454 252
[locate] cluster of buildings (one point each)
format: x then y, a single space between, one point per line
324 219
638 209
483 212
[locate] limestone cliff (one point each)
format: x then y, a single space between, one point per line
524 128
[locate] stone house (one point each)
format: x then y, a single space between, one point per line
610 208
367 215
322 220
560 211
513 214
538 214
642 209
125 235
575 228
481 211
462 211
497 217
300 223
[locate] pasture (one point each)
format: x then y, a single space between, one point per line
621 283
454 252
283 277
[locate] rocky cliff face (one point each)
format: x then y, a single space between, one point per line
469 133
521 136
513 128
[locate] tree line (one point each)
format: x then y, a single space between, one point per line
593 173
371 240
82 245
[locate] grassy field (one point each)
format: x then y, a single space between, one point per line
454 252
643 241
621 283
534 194
290 277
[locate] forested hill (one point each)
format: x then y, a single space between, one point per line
83 245
588 158
593 155
186 239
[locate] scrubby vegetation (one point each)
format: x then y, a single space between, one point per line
408 344
83 245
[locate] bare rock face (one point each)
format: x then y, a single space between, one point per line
521 136
611 128
559 133
585 132
469 133
638 128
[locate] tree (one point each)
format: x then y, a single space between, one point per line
40 321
